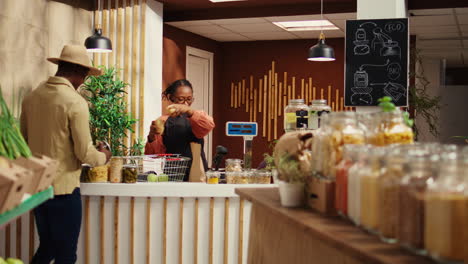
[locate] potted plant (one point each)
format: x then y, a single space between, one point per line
293 162
109 120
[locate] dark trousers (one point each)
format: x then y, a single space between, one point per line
58 223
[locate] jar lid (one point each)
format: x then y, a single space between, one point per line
296 101
319 101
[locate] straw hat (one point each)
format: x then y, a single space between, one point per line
76 54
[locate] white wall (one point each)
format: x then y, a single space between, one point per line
153 63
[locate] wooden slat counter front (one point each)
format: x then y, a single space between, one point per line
282 235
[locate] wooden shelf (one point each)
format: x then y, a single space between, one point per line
27 205
331 232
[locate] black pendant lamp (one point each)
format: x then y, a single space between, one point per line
97 42
321 51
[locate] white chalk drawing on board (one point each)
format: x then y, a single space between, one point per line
388 46
396 26
361 43
394 71
394 90
361 90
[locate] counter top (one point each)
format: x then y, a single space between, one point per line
334 232
166 189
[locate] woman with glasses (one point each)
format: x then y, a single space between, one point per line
173 133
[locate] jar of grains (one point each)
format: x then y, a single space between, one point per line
445 226
369 189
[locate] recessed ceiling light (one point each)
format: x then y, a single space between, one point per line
307 25
220 1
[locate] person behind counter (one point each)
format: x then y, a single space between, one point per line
55 123
174 133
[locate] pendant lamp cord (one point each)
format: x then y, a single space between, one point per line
98 24
322 36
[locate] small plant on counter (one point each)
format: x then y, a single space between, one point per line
109 119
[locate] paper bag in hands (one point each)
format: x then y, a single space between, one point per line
197 171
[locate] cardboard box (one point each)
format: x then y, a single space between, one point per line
44 171
14 181
321 195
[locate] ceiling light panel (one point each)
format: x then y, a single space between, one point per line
220 1
308 25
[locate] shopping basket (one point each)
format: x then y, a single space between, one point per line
174 166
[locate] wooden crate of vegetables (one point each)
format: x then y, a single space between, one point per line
14 181
18 168
44 171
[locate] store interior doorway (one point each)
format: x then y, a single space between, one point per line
199 71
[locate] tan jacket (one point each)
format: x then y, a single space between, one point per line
55 123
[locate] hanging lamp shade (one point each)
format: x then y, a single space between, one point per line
321 51
98 43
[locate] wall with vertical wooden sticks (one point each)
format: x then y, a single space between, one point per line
123 22
258 80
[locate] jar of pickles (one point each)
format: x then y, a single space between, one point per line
369 177
233 165
129 173
445 226
316 110
296 115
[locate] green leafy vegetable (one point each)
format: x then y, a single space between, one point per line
12 143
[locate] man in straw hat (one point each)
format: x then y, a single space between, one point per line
55 122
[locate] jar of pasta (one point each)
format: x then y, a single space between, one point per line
343 129
445 226
316 110
233 165
296 115
394 130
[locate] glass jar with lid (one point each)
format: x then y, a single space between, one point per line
115 169
354 183
296 115
369 177
342 129
212 177
341 185
375 129
320 149
445 203
395 131
233 165
419 170
388 185
316 110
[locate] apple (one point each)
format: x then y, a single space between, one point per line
163 177
14 261
152 177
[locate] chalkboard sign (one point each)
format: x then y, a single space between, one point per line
376 61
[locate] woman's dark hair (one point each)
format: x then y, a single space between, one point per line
172 89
